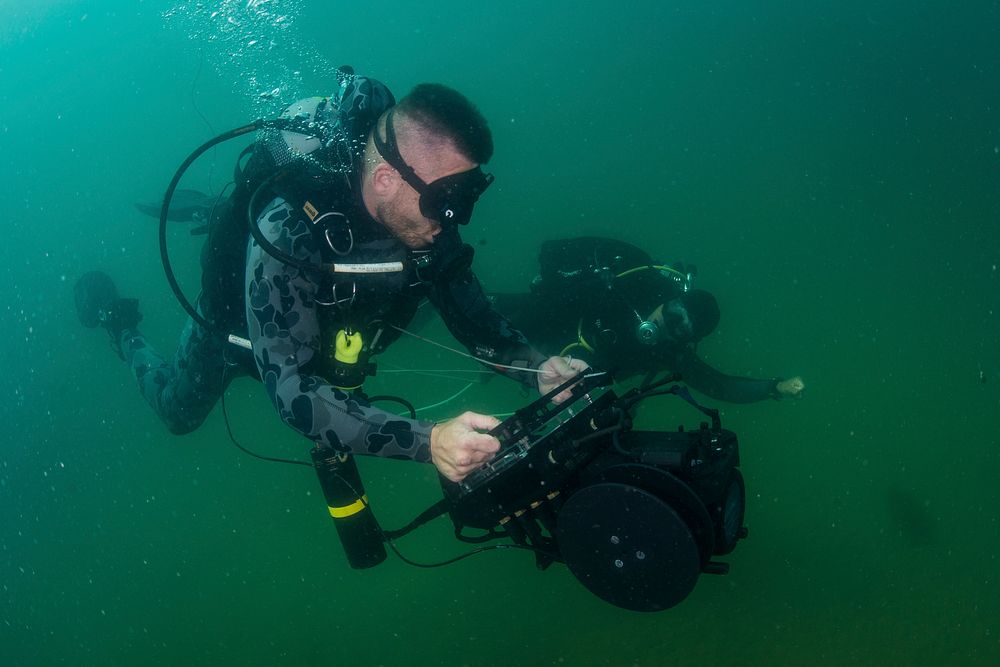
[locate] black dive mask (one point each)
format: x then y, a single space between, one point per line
676 326
448 200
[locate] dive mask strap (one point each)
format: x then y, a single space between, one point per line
449 199
389 150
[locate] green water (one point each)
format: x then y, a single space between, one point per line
832 169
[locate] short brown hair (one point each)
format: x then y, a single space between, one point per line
447 113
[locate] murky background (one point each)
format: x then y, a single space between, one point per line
831 168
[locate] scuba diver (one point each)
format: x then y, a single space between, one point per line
343 217
340 222
609 302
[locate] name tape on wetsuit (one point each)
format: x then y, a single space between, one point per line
240 342
382 267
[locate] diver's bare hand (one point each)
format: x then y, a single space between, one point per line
792 387
460 445
555 371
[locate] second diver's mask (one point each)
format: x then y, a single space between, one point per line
674 325
450 199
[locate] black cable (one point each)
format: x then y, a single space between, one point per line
232 437
609 430
396 399
165 209
667 379
269 247
492 534
647 394
289 124
392 545
474 552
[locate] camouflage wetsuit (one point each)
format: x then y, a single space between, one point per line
285 323
287 340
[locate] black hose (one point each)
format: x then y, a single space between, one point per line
165 209
269 247
396 399
288 124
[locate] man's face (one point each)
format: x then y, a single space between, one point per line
401 214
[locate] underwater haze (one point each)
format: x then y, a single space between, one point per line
831 167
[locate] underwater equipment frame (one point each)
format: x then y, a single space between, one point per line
635 515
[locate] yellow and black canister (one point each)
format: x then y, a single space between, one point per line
345 497
359 532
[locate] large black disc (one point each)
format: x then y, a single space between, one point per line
628 547
681 498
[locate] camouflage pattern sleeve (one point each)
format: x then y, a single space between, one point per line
488 335
285 333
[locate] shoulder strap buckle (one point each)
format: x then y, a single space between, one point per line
336 228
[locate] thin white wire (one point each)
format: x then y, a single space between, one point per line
434 370
466 354
439 374
464 389
460 353
447 400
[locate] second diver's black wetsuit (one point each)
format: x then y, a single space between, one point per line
582 294
292 314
